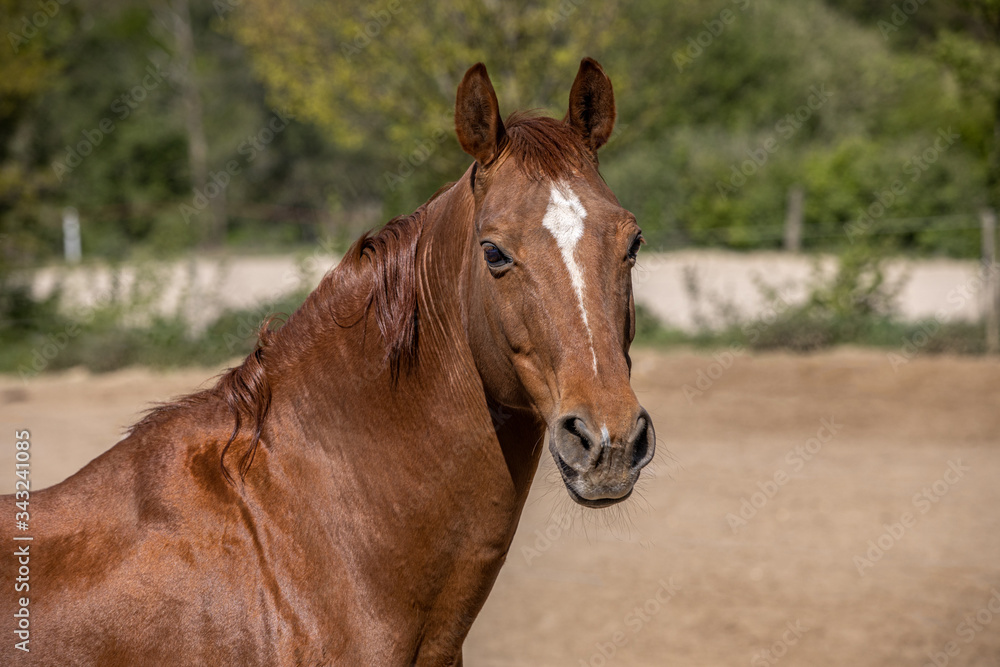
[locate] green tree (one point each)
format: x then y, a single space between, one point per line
974 55
30 64
386 71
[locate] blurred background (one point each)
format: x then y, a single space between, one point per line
159 144
817 182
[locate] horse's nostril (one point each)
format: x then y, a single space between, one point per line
576 429
575 444
567 471
644 442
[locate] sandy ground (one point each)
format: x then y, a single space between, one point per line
837 560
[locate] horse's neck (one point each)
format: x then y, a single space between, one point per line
449 256
434 421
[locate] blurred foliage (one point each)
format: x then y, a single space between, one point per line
723 107
96 121
701 90
324 119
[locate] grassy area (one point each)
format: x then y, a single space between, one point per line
101 342
804 331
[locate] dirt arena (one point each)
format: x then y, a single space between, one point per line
801 510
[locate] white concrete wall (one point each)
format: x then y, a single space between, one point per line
200 287
726 282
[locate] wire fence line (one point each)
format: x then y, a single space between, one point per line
887 226
679 235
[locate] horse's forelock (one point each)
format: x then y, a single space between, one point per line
544 146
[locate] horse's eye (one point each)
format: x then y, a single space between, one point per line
493 256
633 251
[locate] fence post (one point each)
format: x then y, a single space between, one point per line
793 219
988 218
71 235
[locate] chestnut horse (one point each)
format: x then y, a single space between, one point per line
348 494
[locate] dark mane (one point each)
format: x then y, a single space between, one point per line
377 272
247 393
544 146
386 262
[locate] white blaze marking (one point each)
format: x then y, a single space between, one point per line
564 219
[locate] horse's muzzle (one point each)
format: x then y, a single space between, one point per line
600 468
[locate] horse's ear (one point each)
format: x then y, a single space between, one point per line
592 105
477 116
